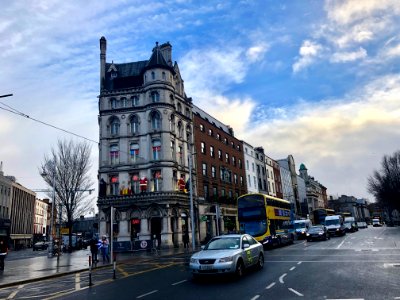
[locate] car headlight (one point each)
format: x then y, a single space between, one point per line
226 259
194 260
302 232
337 229
308 234
320 233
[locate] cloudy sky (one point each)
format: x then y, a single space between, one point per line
316 79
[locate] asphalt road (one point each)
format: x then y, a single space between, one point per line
360 265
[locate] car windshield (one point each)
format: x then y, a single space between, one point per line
299 225
315 229
223 243
332 222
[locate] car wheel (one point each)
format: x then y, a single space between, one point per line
239 269
260 263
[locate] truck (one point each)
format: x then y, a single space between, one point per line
376 222
335 225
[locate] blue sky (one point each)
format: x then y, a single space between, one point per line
315 79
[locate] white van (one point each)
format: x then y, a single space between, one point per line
335 225
301 227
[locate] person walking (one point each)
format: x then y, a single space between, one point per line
3 252
186 240
104 249
94 249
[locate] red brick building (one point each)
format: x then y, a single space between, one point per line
221 176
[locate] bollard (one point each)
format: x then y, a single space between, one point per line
114 270
90 271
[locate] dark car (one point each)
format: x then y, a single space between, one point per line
317 233
42 245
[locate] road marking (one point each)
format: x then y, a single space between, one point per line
255 297
340 245
13 294
296 292
149 293
121 270
345 299
281 278
179 282
299 263
77 281
292 268
270 286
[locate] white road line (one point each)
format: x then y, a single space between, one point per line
281 278
299 263
13 294
292 268
345 299
255 297
270 286
149 293
340 245
296 292
179 282
77 281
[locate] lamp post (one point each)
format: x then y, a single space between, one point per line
50 248
191 202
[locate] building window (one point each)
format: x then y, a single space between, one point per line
135 183
155 120
215 192
252 167
212 151
173 150
213 172
235 179
163 75
240 163
135 101
157 180
156 149
153 75
210 132
201 127
233 145
179 108
172 123
187 112
113 103
114 185
180 129
223 193
233 161
241 181
203 148
249 181
227 158
155 97
247 164
114 154
204 169
180 155
225 141
114 126
218 137
134 152
205 189
238 148
134 128
219 154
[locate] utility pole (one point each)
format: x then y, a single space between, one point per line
191 202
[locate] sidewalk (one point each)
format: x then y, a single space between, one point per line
19 271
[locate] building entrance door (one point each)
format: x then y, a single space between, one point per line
156 229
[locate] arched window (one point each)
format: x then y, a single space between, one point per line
157 181
156 149
155 97
114 185
114 154
179 107
114 126
113 103
180 129
171 98
153 75
135 100
134 152
172 123
134 124
163 75
155 120
123 102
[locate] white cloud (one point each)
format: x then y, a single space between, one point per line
309 51
343 57
256 53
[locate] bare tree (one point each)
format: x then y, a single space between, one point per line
66 171
385 184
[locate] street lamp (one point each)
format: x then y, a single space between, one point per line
191 201
50 248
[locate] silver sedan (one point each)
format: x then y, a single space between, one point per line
228 254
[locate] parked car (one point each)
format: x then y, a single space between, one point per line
42 245
376 223
362 225
317 232
227 254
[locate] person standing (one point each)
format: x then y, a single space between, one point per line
104 249
186 240
3 252
94 249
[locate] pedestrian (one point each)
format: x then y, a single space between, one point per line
94 249
186 241
3 252
104 249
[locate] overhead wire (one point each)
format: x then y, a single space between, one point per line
17 112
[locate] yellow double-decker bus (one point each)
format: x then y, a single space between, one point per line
266 218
